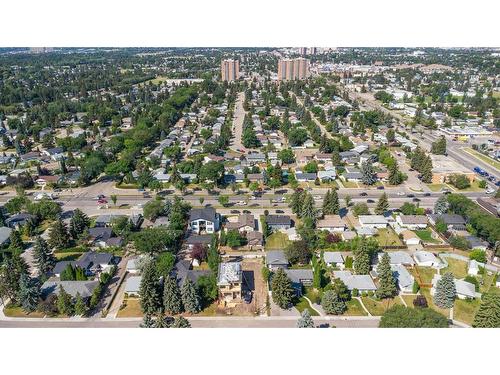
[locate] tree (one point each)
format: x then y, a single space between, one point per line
190 298
308 209
80 306
332 303
446 292
16 244
213 256
387 283
164 264
287 156
78 223
298 252
305 320
29 293
360 209
348 201
234 238
439 147
58 235
390 135
368 175
382 205
296 201
114 198
149 290
211 172
331 204
43 257
207 289
64 302
181 322
478 255
395 176
441 226
224 200
460 181
488 314
405 317
282 290
172 300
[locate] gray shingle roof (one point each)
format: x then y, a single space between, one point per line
84 288
276 258
206 213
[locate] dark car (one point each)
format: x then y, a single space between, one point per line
280 211
416 200
370 201
380 187
427 194
235 211
363 194
411 195
247 297
246 211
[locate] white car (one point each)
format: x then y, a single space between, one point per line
490 190
401 193
40 196
241 203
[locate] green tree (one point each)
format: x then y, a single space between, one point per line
190 297
488 314
305 320
114 198
64 302
213 256
287 156
331 205
282 290
446 292
164 264
224 200
405 317
368 175
29 293
181 322
332 303
382 205
172 301
78 223
43 257
298 252
439 147
16 244
80 306
58 235
308 210
360 209
387 284
149 290
395 176
234 238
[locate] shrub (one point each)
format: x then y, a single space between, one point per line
478 255
348 262
416 287
355 292
420 301
405 317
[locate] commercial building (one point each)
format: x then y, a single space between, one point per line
230 70
293 69
444 167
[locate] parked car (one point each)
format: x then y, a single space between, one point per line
363 194
235 211
380 188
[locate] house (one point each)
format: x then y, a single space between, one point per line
105 220
198 239
452 221
366 231
410 238
103 237
426 259
204 220
309 144
404 279
245 223
333 259
91 262
278 221
183 271
56 153
132 265
331 223
352 174
373 221
256 158
412 222
349 157
132 286
83 288
305 177
5 235
362 283
398 257
322 157
299 278
464 289
16 221
254 238
476 243
348 235
276 259
229 281
326 176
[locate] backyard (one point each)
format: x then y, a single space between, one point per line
457 267
277 241
464 311
426 274
426 236
387 237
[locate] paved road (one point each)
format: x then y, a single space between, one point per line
239 116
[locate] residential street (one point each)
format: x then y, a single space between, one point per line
239 116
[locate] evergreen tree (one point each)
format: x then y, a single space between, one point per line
16 244
441 206
58 236
296 201
387 284
488 315
439 147
308 211
362 256
336 159
64 302
331 204
80 306
368 175
332 303
43 257
29 293
305 320
78 224
11 272
147 322
149 290
172 296
426 170
282 290
181 322
190 297
446 292
382 205
395 176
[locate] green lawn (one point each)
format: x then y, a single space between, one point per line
427 293
426 273
426 236
486 159
437 187
408 298
457 267
303 304
67 256
350 184
354 308
17 312
277 241
474 187
130 308
387 237
464 311
377 308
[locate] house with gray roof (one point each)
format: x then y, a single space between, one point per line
363 283
300 278
5 235
84 288
464 289
276 259
204 220
398 258
133 285
277 222
404 279
333 258
452 221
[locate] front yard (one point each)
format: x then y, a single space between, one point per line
426 274
354 308
464 311
377 308
17 312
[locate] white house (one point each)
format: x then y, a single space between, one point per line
410 238
204 220
404 278
464 288
398 257
331 223
426 259
412 222
373 221
473 268
333 258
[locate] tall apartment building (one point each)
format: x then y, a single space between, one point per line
230 70
292 69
